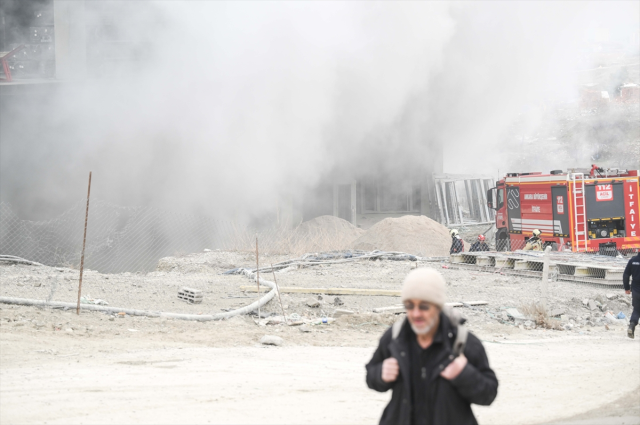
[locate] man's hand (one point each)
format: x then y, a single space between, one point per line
455 367
628 292
390 370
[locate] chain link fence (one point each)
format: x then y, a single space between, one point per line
119 239
141 257
133 239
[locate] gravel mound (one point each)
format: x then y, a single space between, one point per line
418 235
325 233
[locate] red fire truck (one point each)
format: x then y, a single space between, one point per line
577 210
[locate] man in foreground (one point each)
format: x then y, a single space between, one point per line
416 359
632 272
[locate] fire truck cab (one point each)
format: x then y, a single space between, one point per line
577 210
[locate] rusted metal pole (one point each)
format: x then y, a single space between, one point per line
278 290
84 243
258 273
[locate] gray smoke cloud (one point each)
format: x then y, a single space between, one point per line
223 107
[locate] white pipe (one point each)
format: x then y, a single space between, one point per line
198 317
203 318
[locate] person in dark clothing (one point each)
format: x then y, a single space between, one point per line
457 245
430 384
632 272
479 245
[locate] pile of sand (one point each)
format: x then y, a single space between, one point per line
418 235
324 233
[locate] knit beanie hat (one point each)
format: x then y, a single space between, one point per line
424 284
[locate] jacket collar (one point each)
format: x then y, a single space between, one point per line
399 347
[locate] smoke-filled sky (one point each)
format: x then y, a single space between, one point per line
230 105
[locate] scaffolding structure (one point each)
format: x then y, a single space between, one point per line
462 199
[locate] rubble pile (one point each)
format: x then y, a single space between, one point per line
418 235
324 233
507 300
575 315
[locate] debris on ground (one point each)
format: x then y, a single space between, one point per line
89 300
313 303
342 312
271 340
582 306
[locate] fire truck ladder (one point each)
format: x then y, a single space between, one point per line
579 212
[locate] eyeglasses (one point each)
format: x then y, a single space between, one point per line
424 306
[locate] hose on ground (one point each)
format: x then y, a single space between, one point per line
304 261
133 312
343 257
19 260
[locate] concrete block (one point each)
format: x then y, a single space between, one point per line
592 305
456 258
190 295
484 261
271 340
504 263
581 271
521 265
341 312
610 274
391 309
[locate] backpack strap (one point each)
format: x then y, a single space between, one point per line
457 321
397 327
461 340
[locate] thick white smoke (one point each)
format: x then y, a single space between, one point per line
230 105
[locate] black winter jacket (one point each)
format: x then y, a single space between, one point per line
632 272
479 246
457 245
477 383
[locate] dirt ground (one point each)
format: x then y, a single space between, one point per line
157 291
57 367
136 370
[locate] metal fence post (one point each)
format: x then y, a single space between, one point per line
84 243
544 285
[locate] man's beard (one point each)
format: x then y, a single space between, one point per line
426 329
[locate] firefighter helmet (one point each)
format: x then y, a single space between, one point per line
481 238
536 232
453 232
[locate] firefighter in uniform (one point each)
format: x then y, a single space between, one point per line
479 245
534 243
457 245
632 272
